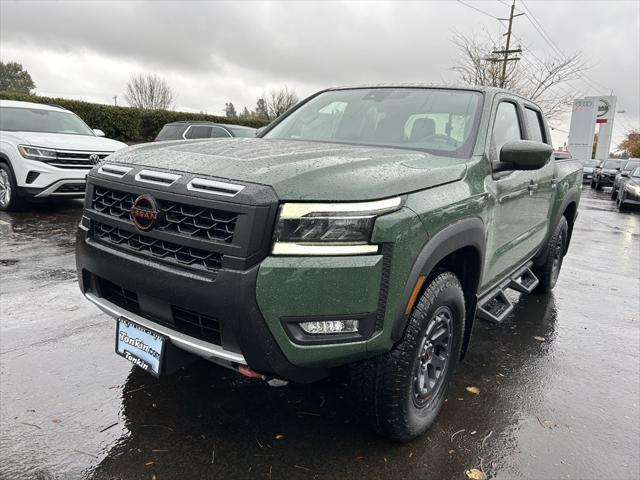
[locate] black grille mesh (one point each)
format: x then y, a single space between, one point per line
188 220
158 249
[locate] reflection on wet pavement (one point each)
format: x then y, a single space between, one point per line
559 383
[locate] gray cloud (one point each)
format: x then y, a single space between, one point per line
212 52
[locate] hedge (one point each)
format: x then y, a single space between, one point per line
130 125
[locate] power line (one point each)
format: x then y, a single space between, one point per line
478 10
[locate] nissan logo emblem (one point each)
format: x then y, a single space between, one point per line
144 213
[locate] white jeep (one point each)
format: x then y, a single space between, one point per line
45 152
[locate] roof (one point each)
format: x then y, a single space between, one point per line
39 106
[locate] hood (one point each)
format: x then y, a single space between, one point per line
65 141
587 169
300 170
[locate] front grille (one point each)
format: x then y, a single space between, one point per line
68 159
188 220
183 320
168 252
71 188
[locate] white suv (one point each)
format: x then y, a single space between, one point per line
45 152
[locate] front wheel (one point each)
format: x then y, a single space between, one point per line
592 184
9 199
620 202
598 185
614 193
549 271
400 393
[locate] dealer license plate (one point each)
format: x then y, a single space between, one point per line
140 346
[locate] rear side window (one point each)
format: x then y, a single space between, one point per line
506 127
171 132
219 132
198 131
534 122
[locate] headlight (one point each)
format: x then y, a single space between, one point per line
634 189
37 153
329 228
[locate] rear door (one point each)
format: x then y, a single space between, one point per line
510 234
544 179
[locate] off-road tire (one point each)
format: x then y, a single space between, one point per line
549 271
15 202
383 388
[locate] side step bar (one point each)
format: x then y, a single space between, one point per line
496 306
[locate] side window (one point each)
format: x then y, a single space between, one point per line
506 127
198 131
534 122
218 132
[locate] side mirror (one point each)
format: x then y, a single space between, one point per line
524 155
98 132
625 174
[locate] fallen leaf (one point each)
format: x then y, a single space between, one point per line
55 420
474 390
540 339
279 436
475 474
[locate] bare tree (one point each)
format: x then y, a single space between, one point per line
150 92
279 101
540 80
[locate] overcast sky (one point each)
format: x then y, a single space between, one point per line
215 52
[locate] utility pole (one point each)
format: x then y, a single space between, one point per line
506 52
115 100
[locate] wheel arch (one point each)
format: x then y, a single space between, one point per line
458 248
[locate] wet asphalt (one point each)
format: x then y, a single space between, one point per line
559 383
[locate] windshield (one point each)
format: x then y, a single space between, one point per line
613 164
636 172
438 121
242 132
171 132
631 164
38 120
589 163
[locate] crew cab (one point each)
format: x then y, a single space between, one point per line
45 152
364 230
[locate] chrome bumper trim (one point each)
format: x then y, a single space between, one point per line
190 344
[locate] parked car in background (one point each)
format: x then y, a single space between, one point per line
588 165
46 152
629 190
366 228
605 172
629 167
193 130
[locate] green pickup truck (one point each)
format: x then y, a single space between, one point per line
363 231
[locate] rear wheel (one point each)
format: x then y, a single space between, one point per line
549 271
400 393
9 199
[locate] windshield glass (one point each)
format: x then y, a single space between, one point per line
242 132
38 120
438 121
171 132
636 172
632 164
613 164
589 163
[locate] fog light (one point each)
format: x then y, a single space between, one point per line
330 326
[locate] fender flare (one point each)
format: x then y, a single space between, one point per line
572 196
469 232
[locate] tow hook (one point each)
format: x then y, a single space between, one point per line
272 382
